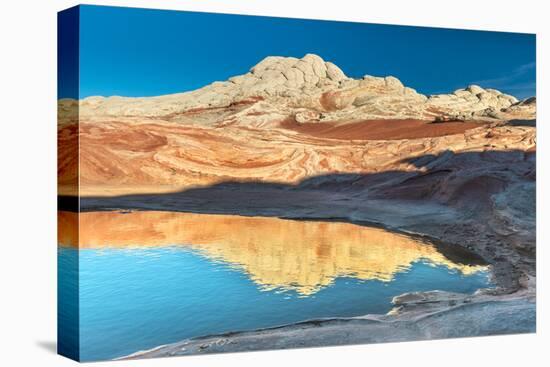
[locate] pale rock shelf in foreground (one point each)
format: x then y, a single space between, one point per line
417 316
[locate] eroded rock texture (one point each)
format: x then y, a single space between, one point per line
297 138
288 86
285 120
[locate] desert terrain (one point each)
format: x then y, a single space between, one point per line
297 138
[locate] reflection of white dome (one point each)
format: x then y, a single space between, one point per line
289 254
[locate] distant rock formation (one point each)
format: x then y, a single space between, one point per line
310 86
290 119
525 109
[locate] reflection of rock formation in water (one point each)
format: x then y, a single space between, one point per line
67 228
300 255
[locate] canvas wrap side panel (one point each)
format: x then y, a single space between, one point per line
68 34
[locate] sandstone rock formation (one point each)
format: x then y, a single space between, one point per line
283 121
297 138
289 84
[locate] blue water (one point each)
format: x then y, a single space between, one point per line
136 299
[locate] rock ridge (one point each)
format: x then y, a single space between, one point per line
313 90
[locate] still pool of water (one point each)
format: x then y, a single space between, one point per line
152 278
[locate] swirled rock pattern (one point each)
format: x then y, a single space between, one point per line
297 138
285 120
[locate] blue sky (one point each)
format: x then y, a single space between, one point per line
140 52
